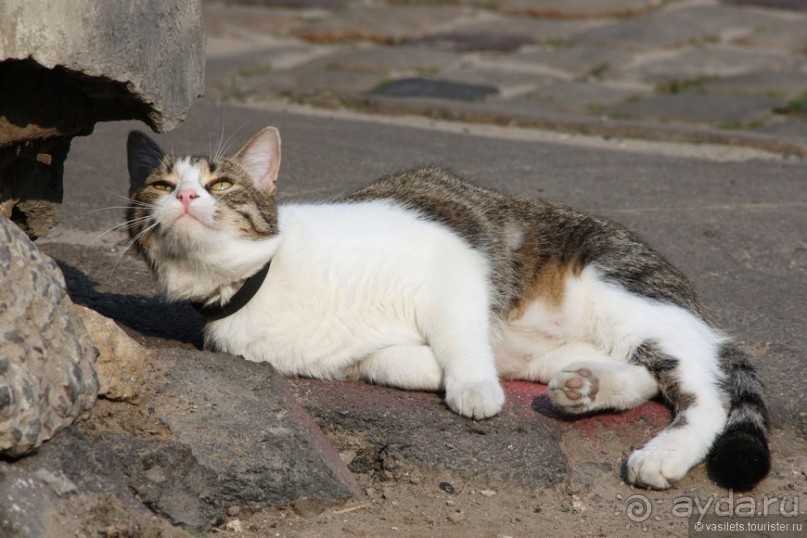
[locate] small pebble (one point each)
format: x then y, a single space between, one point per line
347 456
414 480
233 511
447 487
487 492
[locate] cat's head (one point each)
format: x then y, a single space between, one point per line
200 221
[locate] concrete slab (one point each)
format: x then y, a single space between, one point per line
542 31
583 97
698 108
713 61
580 61
382 24
675 27
418 87
572 9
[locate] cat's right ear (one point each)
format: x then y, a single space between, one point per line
143 156
261 159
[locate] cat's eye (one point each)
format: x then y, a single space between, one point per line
220 185
162 186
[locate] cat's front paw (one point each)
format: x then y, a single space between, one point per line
656 468
478 400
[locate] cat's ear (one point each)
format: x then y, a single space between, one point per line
143 155
261 159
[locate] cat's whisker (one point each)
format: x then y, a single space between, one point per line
110 208
131 242
123 226
217 154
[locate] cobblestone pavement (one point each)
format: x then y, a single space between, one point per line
729 72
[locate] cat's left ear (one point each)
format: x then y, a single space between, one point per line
261 158
143 156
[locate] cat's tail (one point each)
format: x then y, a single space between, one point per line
740 457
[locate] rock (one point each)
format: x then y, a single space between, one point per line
142 60
122 364
433 88
46 366
66 66
235 436
71 487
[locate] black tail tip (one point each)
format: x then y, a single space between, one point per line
739 460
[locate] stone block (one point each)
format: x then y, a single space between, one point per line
72 487
47 378
435 89
142 60
122 364
65 66
230 434
697 108
579 9
382 24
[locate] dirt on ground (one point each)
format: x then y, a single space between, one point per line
593 503
414 499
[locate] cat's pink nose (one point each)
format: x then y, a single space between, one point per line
185 196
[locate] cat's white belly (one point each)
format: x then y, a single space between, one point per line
322 308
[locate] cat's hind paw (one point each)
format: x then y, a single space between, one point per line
478 400
574 390
656 468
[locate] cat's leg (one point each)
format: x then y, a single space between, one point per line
687 373
458 331
532 356
588 386
412 367
581 377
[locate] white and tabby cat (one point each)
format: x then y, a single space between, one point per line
424 281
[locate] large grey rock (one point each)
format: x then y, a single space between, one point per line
230 434
46 357
142 58
66 65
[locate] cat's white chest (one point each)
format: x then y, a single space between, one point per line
346 281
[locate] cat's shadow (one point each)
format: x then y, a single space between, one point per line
543 406
149 316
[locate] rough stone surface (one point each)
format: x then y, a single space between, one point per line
382 24
71 487
430 88
46 357
226 432
399 431
122 364
697 108
149 54
66 66
579 8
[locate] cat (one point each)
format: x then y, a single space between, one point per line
424 281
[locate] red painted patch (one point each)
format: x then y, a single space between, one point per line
524 398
